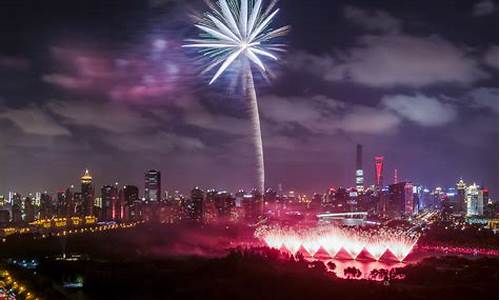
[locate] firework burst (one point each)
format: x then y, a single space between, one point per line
332 239
240 31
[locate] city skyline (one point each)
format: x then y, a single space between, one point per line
152 182
120 96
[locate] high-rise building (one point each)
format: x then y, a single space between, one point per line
409 202
17 207
329 199
60 204
379 169
401 200
131 193
360 180
341 200
209 209
46 206
109 196
484 199
29 210
224 203
131 202
87 205
152 185
70 203
461 200
474 201
195 206
252 206
79 204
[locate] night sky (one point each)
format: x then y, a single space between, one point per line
105 85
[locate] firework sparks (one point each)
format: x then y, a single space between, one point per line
240 31
332 239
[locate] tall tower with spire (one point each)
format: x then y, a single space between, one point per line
360 181
87 194
379 170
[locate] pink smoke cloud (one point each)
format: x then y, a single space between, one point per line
131 77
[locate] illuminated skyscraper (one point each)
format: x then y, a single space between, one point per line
360 181
379 169
87 205
474 201
461 201
152 185
409 202
401 199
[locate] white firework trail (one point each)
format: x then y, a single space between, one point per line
240 31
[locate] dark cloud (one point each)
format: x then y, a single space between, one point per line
484 97
491 57
160 142
483 8
32 120
395 60
104 116
322 115
374 20
14 63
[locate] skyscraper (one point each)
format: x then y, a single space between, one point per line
131 203
401 199
131 193
474 201
17 208
152 185
195 207
360 181
46 206
461 201
60 204
69 202
379 169
87 205
484 196
29 210
224 202
109 195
